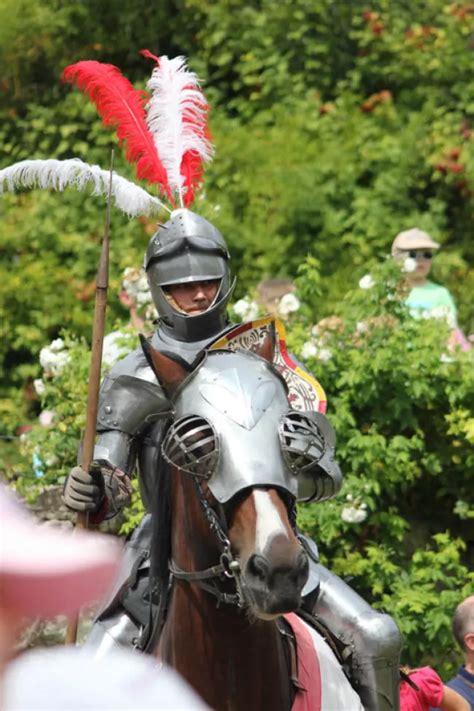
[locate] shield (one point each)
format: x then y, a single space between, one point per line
305 393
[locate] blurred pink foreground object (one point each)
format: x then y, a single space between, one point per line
46 571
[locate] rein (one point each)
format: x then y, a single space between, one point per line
228 565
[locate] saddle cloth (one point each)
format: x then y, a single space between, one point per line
323 684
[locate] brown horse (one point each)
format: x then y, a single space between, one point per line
236 564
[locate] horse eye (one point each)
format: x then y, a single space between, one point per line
302 442
191 444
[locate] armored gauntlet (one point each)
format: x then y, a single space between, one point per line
84 491
102 491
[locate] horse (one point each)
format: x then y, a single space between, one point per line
225 552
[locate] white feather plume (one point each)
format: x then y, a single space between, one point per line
176 116
60 174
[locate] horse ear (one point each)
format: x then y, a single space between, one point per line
169 372
267 349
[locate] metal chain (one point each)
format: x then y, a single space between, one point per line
230 564
212 518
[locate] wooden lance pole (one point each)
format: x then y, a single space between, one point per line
88 442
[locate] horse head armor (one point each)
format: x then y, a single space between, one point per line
233 427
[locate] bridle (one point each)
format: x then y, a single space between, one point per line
228 566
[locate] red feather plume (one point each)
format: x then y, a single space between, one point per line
192 170
177 102
121 106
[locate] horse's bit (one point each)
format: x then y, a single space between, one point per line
228 565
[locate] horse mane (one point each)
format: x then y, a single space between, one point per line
161 523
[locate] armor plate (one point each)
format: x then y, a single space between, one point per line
129 404
244 406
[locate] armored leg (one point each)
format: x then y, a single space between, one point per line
123 616
115 631
372 641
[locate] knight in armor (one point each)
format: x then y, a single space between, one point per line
187 265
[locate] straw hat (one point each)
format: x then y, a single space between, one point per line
412 239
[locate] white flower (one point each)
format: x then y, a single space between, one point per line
366 282
445 358
52 358
142 283
129 272
288 303
350 514
361 327
39 386
349 497
46 418
56 345
324 354
151 313
217 208
116 346
246 309
135 284
409 265
315 330
309 350
143 297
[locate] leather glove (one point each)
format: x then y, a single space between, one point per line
84 491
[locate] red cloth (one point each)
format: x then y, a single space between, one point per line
430 691
308 698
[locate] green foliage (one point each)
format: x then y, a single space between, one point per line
401 404
54 447
134 514
336 125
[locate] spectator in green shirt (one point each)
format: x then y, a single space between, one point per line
415 249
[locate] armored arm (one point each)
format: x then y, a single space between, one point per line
324 479
127 406
130 401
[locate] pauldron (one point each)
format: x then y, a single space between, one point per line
129 404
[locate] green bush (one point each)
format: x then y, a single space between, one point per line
336 126
402 405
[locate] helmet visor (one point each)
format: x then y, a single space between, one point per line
187 266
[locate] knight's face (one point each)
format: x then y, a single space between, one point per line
195 297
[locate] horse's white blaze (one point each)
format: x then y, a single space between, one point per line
268 521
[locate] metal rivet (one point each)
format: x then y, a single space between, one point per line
115 423
108 409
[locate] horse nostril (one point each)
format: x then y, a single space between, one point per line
258 566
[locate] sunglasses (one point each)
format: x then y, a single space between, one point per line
419 254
